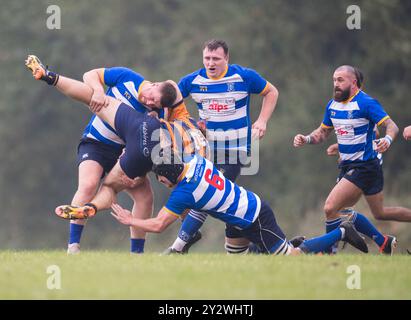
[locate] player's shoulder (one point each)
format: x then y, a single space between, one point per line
125 72
191 76
364 100
329 103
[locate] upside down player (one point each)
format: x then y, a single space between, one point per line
100 146
199 185
137 130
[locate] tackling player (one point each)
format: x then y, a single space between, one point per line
200 186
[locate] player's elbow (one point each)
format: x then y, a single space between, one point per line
86 75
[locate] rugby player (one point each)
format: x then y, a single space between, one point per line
353 115
137 131
200 186
222 93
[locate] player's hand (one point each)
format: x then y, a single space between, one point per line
407 133
153 114
98 101
382 145
299 140
332 150
258 129
202 126
122 215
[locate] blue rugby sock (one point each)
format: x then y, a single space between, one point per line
364 226
191 224
331 225
75 233
137 245
321 243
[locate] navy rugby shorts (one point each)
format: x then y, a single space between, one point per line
263 232
367 175
106 155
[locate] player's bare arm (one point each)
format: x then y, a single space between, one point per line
391 131
95 79
268 106
317 136
74 89
155 225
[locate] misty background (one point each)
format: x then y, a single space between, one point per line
296 45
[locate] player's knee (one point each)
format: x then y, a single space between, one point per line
379 215
87 189
330 211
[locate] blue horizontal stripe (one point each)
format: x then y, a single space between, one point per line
351 148
361 130
227 125
213 88
355 114
230 219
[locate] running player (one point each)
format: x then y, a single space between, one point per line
353 115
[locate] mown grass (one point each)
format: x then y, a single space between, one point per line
118 275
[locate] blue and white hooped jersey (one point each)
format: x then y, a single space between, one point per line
354 123
204 188
224 104
124 85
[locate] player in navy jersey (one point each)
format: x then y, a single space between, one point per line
103 133
222 92
199 185
353 115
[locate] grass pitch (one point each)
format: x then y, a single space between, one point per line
115 275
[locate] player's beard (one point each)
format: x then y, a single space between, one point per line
341 95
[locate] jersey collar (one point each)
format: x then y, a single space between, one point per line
221 76
352 97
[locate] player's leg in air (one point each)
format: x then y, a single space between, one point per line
93 162
74 89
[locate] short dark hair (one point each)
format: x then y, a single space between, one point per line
168 95
215 44
359 76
